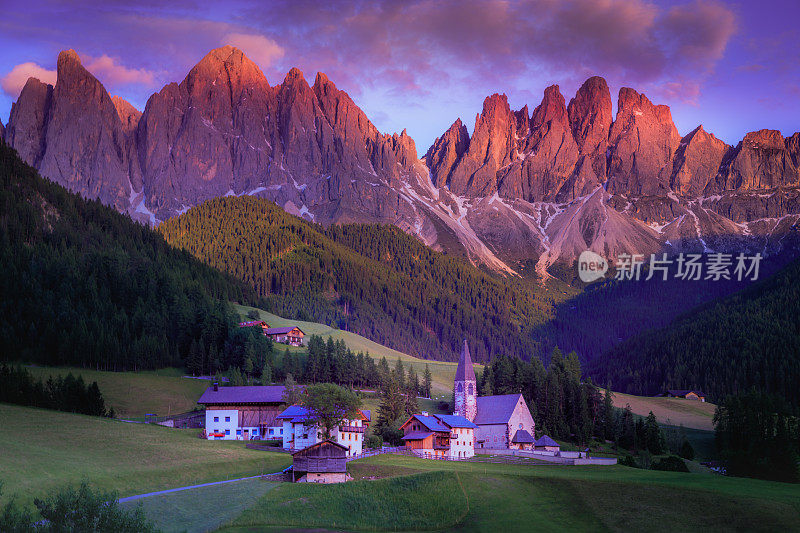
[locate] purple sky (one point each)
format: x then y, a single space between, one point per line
734 66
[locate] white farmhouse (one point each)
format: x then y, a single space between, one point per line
242 413
298 434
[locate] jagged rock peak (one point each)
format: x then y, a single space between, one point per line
68 58
764 140
552 107
128 114
590 114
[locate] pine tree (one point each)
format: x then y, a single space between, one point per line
266 374
427 381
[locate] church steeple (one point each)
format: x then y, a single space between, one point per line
465 391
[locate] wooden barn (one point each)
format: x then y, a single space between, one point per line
323 462
689 394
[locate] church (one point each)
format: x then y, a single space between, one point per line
502 421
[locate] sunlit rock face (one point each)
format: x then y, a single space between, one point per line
525 191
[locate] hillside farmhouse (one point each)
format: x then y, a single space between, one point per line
445 436
323 462
688 394
291 335
298 434
500 420
242 413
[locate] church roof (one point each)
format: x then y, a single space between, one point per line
496 409
465 372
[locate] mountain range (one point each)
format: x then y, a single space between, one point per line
526 191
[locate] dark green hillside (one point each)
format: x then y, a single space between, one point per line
750 339
83 285
371 279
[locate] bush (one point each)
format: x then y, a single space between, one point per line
628 460
83 510
374 442
672 463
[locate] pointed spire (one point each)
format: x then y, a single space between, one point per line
465 372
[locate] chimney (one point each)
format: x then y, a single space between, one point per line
216 386
424 413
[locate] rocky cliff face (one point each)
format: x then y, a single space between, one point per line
525 189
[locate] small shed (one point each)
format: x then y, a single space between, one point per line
323 462
545 443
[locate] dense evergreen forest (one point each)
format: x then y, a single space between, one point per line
70 394
748 340
374 280
84 285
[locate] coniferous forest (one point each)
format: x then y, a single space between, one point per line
374 280
83 285
748 340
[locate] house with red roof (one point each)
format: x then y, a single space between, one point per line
440 436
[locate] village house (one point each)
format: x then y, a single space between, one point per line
291 335
499 419
689 394
445 436
298 434
242 413
323 462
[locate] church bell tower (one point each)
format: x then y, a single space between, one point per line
465 391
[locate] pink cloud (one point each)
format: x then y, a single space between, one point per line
261 49
111 73
13 82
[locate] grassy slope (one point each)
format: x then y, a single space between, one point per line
543 498
670 411
178 512
443 373
132 394
43 449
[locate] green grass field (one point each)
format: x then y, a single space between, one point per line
456 496
442 373
203 508
670 411
43 449
132 394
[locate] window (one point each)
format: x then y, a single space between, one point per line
305 435
227 431
271 431
216 419
255 432
227 419
281 431
238 431
520 426
470 388
460 387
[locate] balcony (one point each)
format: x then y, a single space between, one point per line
352 429
441 444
